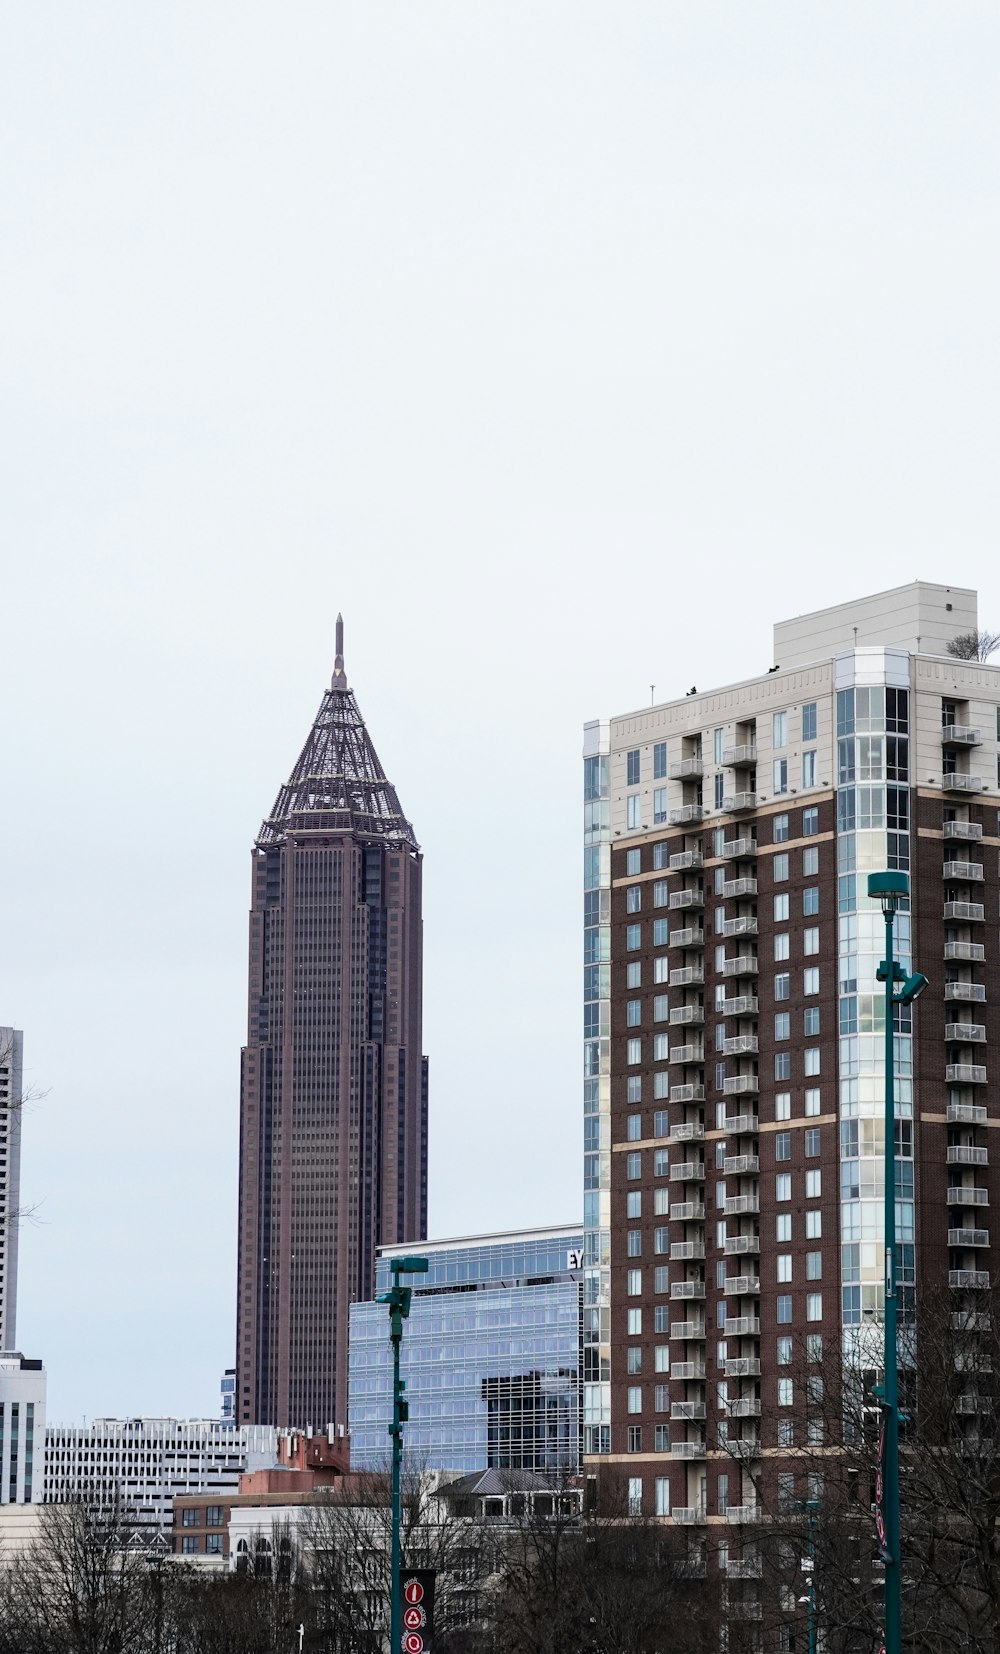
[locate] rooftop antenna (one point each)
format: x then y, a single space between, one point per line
854 629
652 694
339 679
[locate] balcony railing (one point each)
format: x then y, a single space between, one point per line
741 1165
687 769
971 992
965 1033
680 900
693 1410
974 951
688 1331
687 1093
742 1286
735 802
743 1125
960 735
687 1450
741 1085
963 872
743 1513
966 1114
686 861
965 1073
741 1045
743 1366
694 1051
956 783
744 1567
686 1514
687 1289
966 1195
740 1205
969 832
743 848
743 964
968 1237
966 1154
739 1246
692 937
745 925
736 889
977 1280
687 976
742 1326
744 1005
688 1211
683 1016
687 1371
965 913
686 813
743 754
687 1251
688 1171
689 1131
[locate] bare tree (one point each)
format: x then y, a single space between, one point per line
978 645
80 1587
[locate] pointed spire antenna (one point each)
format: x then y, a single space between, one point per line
339 679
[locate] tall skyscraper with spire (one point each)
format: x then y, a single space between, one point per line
333 1104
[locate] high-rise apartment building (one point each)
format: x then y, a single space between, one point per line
333 1107
734 1033
11 1095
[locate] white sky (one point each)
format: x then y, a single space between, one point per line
562 346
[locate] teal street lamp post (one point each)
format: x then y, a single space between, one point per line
891 889
811 1506
398 1299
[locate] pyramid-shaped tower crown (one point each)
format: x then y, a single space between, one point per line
338 784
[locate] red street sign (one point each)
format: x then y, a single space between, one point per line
413 1643
413 1591
413 1618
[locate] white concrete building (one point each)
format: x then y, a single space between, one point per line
144 1462
11 1058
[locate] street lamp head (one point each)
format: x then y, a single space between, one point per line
889 889
409 1266
912 988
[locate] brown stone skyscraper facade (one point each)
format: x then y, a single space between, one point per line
333 1102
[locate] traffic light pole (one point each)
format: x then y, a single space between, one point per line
398 1299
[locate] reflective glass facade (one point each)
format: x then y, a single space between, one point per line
597 1088
491 1357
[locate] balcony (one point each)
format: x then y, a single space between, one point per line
740 756
965 1033
739 1514
744 926
687 1211
736 889
687 1093
687 1450
694 1051
686 1016
688 1171
744 1567
742 1326
741 1165
968 1237
742 1085
967 1320
686 861
745 1407
687 1371
740 849
976 1279
687 1289
736 1206
744 1447
745 1005
968 831
693 1410
688 1331
968 1195
739 801
966 1114
956 783
743 1125
687 813
965 913
965 1073
741 1045
687 769
687 976
692 937
744 964
686 1514
974 951
689 1131
971 992
960 735
963 872
680 900
744 1366
742 1286
741 1246
972 1404
687 1251
964 1154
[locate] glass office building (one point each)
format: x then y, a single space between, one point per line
491 1356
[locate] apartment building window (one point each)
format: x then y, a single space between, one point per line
810 1021
633 862
780 865
661 1318
633 1364
633 937
634 1088
780 771
635 1398
659 805
781 949
635 1323
632 768
723 1493
810 980
782 1065
783 1186
633 1283
784 1263
633 898
812 1102
783 985
809 769
661 1444
633 1052
661 855
661 968
810 860
190 1544
814 1225
661 1240
782 1025
633 974
814 1346
661 1398
779 729
661 1278
633 1165
810 822
809 721
661 932
659 760
661 1358
635 1438
783 1306
782 1105
810 940
812 1142
814 1184
718 737
661 1009
782 1145
213 1544
633 1203
814 1306
213 1516
781 906
633 812
780 829
812 1060
810 900
661 1047
661 1121
783 1228
635 1495
661 1166
786 1438
190 1518
661 893
661 1484
814 1266
633 1128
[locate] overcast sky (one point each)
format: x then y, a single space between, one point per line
564 347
